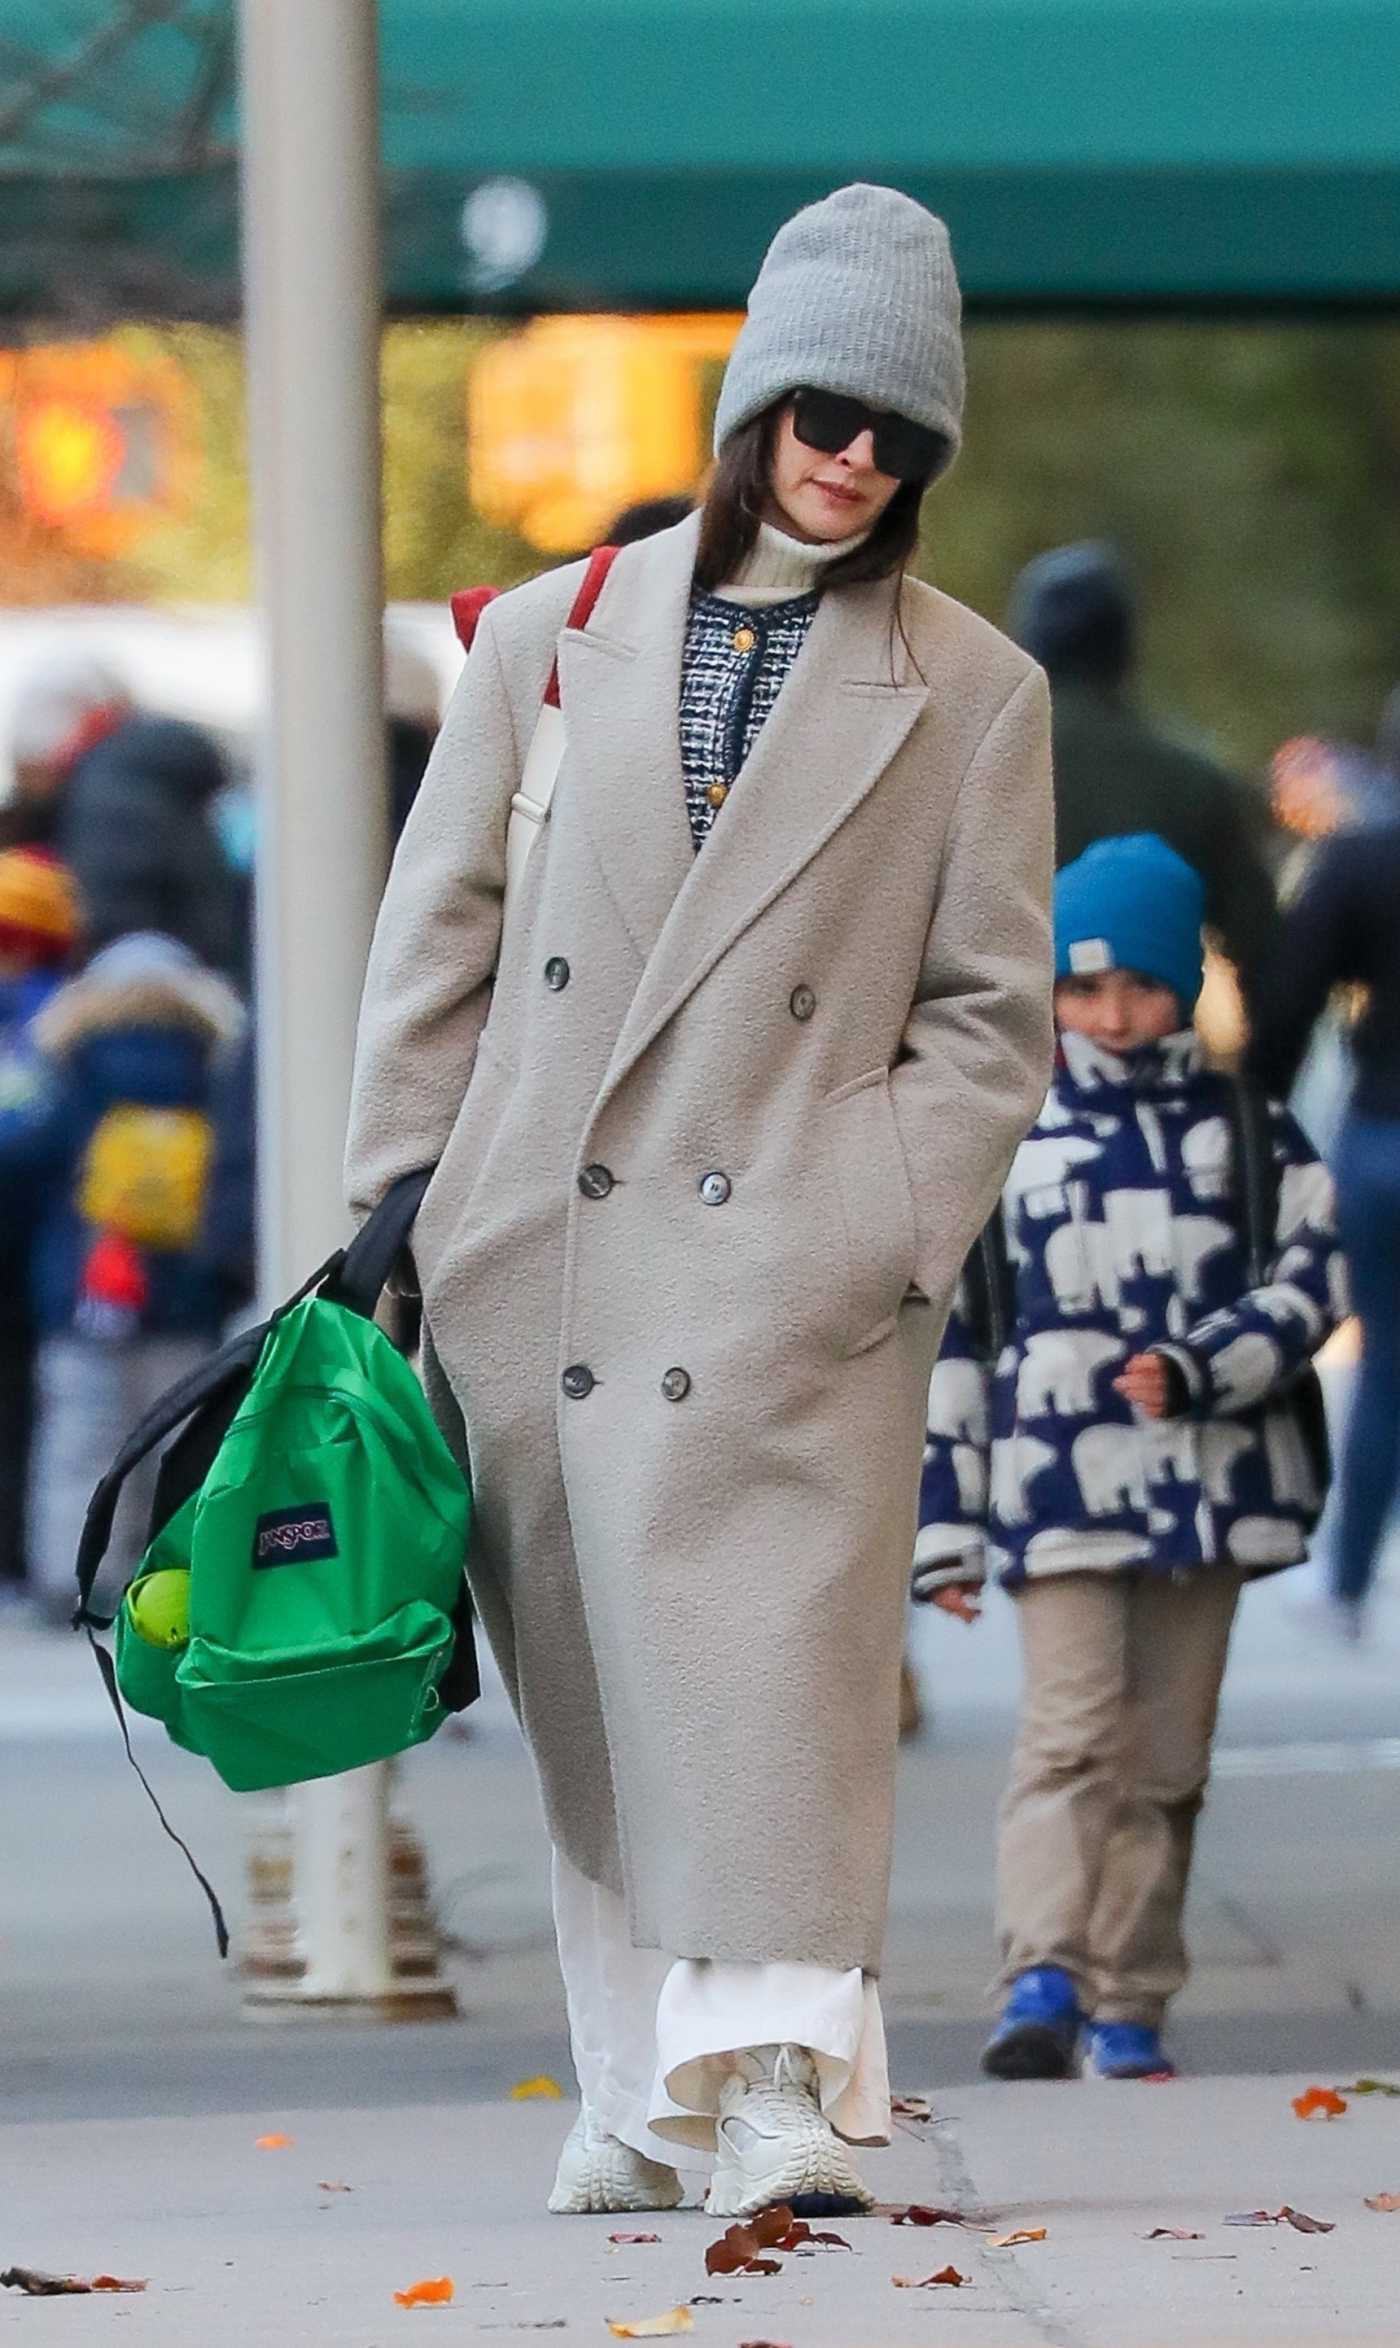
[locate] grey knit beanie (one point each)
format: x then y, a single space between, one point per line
857 294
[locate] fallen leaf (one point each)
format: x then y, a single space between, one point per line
540 2090
1370 2087
634 2238
272 2144
323 2187
1301 2223
1319 2102
1022 2234
436 2293
911 2107
1297 2218
1173 2234
919 2214
707 2299
947 2274
655 2327
737 2250
37 2285
763 2344
1383 2201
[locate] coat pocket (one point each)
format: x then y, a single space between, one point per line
459 1169
876 1207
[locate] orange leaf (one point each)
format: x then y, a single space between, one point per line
1320 2101
1383 2201
539 2090
272 2144
429 2294
115 2283
655 2327
1022 2234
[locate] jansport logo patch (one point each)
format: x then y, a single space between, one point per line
295 1536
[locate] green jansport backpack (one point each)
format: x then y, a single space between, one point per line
302 1606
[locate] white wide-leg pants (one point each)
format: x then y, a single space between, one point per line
653 2035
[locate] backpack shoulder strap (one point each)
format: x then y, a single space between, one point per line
468 604
1256 1175
600 562
991 1290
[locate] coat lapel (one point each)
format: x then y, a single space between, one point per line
619 688
837 723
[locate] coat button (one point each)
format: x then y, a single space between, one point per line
675 1385
557 974
716 793
802 1003
578 1381
595 1181
715 1189
744 639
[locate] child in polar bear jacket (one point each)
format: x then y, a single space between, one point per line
1130 1456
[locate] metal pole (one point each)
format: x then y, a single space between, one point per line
312 277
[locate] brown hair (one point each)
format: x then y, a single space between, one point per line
740 489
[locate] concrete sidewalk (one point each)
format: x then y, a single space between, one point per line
242 2246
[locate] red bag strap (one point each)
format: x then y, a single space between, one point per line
468 604
600 562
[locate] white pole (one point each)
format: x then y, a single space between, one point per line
312 279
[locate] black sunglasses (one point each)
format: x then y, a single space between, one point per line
830 421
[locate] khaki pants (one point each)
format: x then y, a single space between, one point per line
1122 1686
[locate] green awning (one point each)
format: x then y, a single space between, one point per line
639 153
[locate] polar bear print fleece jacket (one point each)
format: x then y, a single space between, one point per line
1125 1229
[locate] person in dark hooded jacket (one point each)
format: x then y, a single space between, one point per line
1074 611
124 799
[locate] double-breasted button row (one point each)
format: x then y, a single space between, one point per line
596 1181
578 1383
557 974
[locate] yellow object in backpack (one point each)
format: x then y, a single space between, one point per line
145 1175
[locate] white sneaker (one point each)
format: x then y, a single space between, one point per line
598 2173
773 2145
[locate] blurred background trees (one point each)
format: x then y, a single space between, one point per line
1250 472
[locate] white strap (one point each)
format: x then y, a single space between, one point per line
529 809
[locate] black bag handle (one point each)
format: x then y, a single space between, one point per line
990 1290
362 1274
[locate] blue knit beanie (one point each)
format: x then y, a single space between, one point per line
1132 904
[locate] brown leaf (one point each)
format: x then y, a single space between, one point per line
40 2286
770 2225
947 2274
1301 2223
634 2238
911 2107
1173 2234
655 2327
436 2292
1319 2103
737 2250
324 2187
1370 2087
1022 2234
1383 2201
919 2214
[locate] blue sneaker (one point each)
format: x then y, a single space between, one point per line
1126 2050
1038 2033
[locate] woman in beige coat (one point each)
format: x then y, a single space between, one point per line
716 1117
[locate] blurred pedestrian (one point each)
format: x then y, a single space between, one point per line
110 1155
1074 611
1132 1453
1343 931
125 799
38 928
716 1114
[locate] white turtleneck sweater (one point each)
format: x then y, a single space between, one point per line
781 567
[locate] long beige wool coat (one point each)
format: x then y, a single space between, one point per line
695 1407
